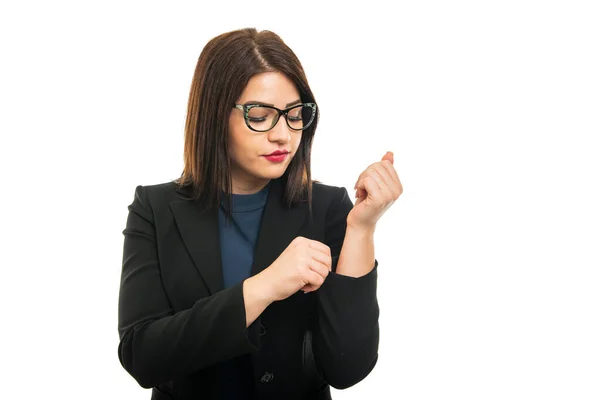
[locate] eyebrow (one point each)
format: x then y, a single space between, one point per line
272 105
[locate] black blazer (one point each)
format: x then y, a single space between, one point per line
177 323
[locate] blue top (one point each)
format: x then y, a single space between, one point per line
238 241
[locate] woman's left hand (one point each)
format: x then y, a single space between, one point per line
377 188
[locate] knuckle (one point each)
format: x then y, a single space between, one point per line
304 262
300 241
304 275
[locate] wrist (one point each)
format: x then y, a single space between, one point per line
259 289
360 230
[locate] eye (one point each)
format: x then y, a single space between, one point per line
252 119
295 114
260 114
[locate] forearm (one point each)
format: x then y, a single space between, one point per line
170 347
255 298
348 327
357 256
348 336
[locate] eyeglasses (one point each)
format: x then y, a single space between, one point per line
261 118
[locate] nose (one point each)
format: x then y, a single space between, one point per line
281 132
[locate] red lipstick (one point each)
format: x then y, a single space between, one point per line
277 156
277 152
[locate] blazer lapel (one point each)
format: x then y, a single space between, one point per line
199 230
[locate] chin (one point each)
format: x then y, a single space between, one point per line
273 175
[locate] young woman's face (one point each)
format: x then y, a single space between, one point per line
251 170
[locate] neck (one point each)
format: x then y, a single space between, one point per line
248 187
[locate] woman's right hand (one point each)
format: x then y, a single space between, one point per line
304 264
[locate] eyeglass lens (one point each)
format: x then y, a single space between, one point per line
264 118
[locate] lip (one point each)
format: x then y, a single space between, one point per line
277 153
277 158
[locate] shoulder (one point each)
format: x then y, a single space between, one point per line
161 189
330 195
165 192
159 193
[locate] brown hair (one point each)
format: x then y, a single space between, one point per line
224 67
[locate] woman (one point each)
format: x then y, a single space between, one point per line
239 279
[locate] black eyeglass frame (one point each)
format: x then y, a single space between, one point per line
245 108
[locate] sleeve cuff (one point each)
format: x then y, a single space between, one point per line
369 276
351 302
251 333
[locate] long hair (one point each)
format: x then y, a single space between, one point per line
224 67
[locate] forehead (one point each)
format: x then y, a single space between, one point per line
271 88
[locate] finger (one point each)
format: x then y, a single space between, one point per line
360 189
322 247
392 178
388 156
320 268
376 177
312 278
385 174
368 172
384 193
380 175
308 288
368 187
392 188
391 171
322 259
365 172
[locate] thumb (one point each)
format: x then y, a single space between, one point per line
388 156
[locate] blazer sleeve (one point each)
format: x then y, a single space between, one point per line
347 334
156 344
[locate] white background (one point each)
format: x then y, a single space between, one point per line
489 261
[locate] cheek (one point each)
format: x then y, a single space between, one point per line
243 146
238 137
297 140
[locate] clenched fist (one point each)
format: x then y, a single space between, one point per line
304 264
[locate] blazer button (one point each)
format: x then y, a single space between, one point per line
263 330
267 377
